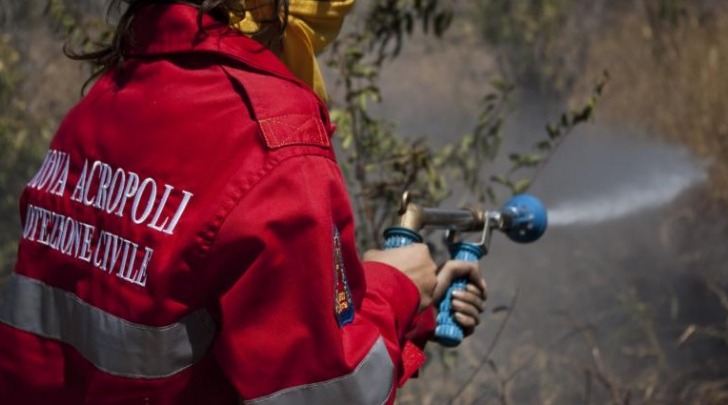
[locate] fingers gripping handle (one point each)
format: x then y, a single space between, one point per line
448 332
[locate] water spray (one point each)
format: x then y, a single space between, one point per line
523 219
653 190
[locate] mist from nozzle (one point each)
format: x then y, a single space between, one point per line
653 191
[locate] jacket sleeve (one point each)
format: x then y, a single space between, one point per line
289 268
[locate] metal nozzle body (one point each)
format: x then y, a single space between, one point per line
416 217
522 218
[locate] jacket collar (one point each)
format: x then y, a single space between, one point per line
173 28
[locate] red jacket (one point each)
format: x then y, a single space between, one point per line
189 240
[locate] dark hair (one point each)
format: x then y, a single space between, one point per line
112 55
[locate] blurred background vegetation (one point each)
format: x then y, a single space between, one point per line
639 318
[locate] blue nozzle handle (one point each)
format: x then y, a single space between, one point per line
448 332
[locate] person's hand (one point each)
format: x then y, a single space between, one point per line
467 304
415 262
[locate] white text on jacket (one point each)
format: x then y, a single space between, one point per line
114 191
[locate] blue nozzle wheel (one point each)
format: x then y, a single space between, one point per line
528 219
397 236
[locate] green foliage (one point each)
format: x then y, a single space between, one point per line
526 35
520 23
9 76
671 11
19 148
25 132
10 137
388 21
466 158
541 152
380 164
82 31
61 18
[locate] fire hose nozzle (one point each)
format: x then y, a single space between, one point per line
523 219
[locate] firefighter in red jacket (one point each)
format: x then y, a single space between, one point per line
188 239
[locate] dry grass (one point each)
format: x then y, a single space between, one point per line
670 80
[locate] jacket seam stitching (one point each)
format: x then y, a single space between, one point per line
243 191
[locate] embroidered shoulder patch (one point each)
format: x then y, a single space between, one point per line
343 304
